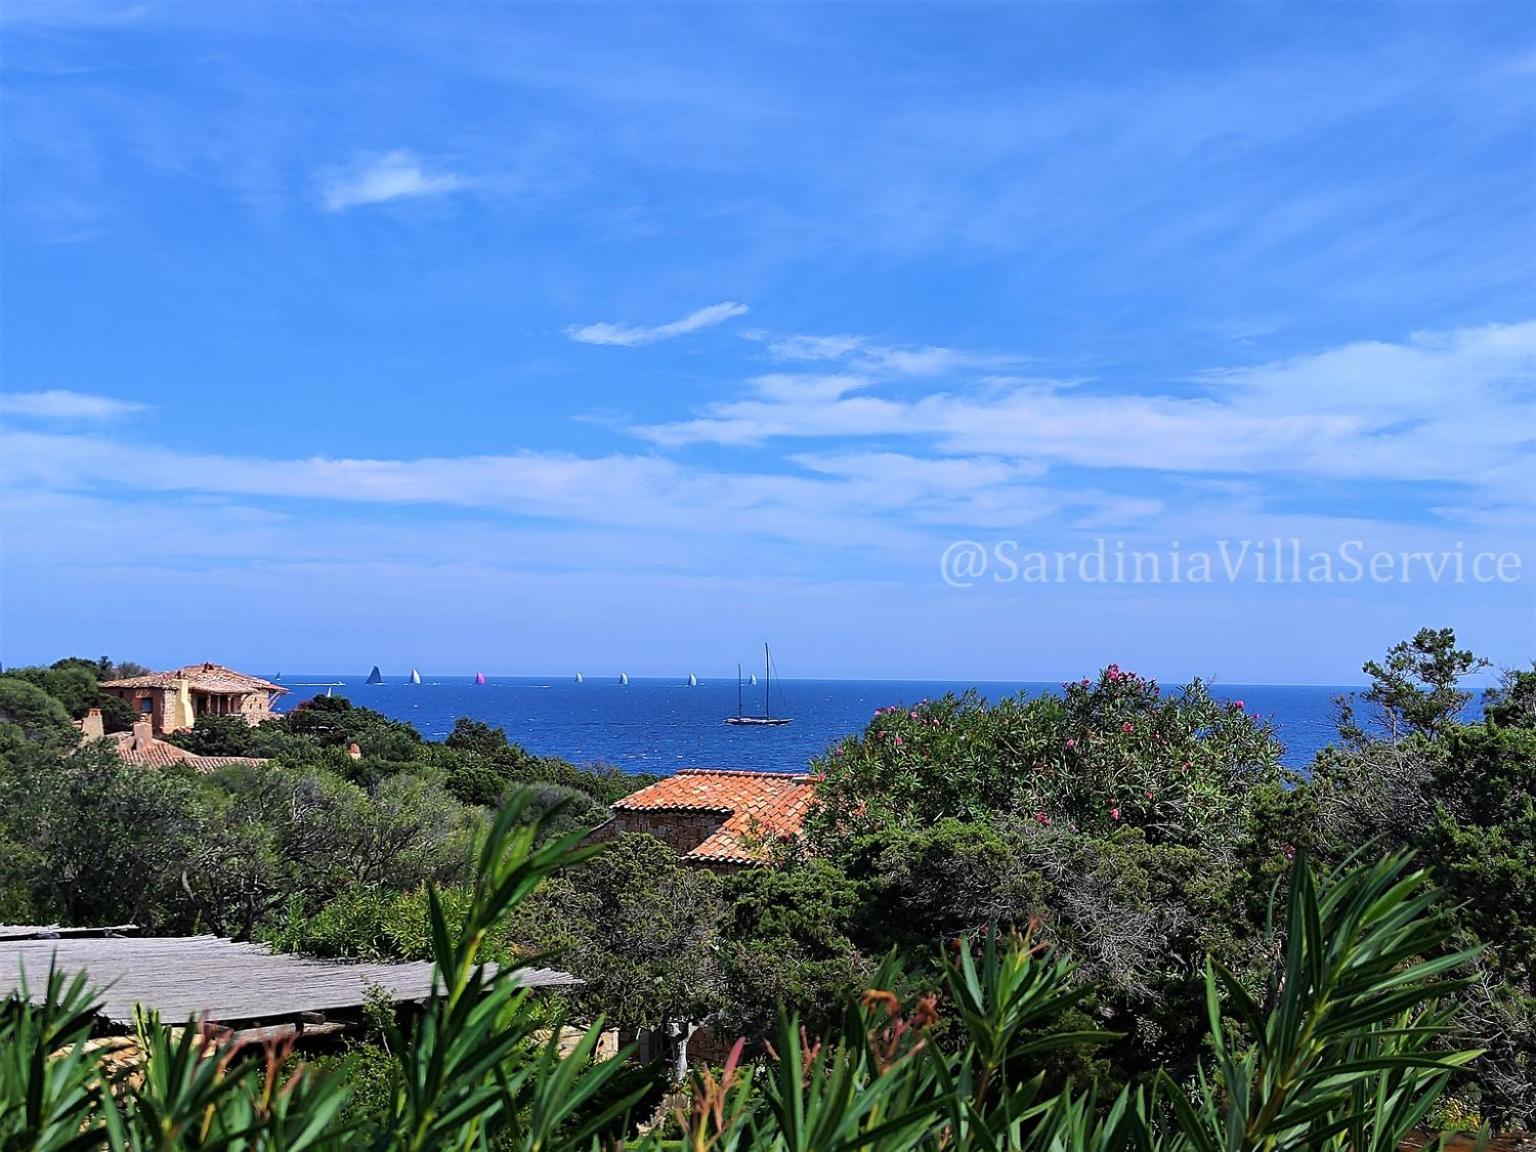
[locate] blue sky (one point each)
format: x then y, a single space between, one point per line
535 338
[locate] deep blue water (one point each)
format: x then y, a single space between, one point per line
663 725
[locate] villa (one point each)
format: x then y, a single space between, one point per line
172 701
717 818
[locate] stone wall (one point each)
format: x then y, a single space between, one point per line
135 697
682 831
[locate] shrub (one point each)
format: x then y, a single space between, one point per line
1338 1053
1105 754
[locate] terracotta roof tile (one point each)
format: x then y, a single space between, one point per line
760 807
156 753
204 677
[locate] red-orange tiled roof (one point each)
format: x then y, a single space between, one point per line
152 752
759 807
204 677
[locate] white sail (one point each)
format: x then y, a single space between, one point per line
578 678
415 676
623 677
753 679
693 681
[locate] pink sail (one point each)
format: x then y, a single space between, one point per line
479 677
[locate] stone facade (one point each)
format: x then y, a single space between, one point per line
173 701
681 831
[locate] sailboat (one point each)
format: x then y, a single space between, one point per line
579 679
752 680
479 677
767 719
693 681
415 676
623 677
375 677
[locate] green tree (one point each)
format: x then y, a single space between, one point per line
221 736
117 715
1483 839
640 927
786 945
109 840
1103 755
1416 688
71 682
477 736
33 715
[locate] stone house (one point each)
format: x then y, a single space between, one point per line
171 701
718 818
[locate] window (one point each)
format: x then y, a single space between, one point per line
146 704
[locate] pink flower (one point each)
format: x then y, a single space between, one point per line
1127 728
1148 795
1238 704
897 741
1114 813
911 715
1071 743
1042 818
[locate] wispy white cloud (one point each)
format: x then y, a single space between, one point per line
393 175
1456 406
871 356
58 404
889 501
630 335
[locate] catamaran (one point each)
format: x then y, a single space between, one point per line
767 719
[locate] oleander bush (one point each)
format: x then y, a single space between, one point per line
1104 754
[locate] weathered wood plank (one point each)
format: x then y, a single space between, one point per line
54 932
217 979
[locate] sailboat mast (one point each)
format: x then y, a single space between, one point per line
738 690
767 683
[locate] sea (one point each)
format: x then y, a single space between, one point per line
661 725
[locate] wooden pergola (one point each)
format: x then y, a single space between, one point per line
239 986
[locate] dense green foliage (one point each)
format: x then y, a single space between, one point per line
1102 755
1136 833
72 683
1336 1051
313 848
